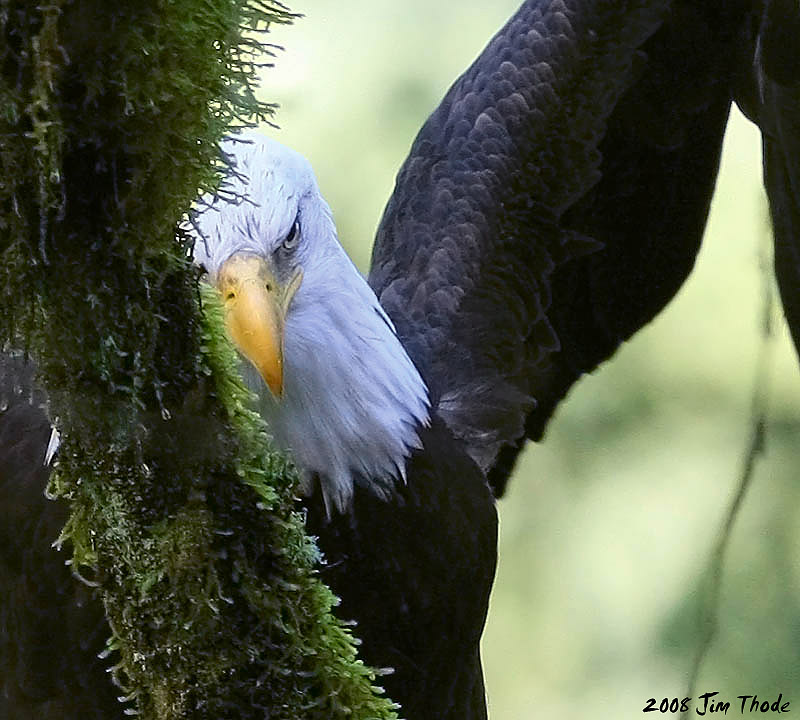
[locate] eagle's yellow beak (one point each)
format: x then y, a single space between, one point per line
255 313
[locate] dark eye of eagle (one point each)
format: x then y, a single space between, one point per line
291 240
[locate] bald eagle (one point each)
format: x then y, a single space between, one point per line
550 207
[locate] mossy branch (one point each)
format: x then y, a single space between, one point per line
180 513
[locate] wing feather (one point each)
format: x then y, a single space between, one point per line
470 239
554 203
770 95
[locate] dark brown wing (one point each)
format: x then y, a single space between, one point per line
770 96
51 626
552 205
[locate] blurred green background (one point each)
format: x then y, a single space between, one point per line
608 525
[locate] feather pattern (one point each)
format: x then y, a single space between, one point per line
472 235
555 202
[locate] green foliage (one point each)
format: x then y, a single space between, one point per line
180 513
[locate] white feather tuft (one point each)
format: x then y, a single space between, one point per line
52 446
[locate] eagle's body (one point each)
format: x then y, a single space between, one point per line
549 208
404 516
415 572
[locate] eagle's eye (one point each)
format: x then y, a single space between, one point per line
291 240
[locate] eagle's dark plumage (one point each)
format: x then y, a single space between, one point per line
415 572
52 628
549 208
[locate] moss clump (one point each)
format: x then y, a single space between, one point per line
110 123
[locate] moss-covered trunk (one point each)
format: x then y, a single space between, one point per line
111 114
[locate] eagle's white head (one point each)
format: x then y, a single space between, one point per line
336 387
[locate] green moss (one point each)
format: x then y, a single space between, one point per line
181 514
